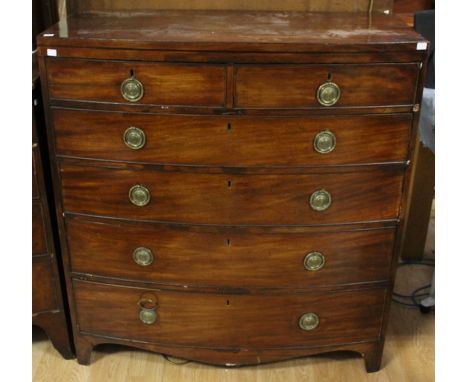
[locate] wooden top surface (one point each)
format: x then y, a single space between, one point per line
234 31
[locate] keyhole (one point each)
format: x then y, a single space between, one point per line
227 302
229 127
228 242
229 183
330 76
132 72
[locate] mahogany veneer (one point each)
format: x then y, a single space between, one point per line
229 260
48 310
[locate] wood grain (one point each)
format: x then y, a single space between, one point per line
228 257
274 5
233 140
228 31
39 243
231 198
229 321
164 84
296 86
43 291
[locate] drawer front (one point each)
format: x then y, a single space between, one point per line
232 141
231 199
196 319
296 86
43 294
39 243
233 257
163 84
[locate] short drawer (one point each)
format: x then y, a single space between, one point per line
231 257
159 83
282 86
231 199
43 292
228 321
232 141
39 242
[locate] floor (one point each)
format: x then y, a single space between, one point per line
408 354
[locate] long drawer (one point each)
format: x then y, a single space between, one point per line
223 320
232 257
161 83
232 141
101 189
283 86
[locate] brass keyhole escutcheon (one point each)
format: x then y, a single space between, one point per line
309 321
325 142
314 261
143 256
320 200
139 195
328 94
134 138
132 89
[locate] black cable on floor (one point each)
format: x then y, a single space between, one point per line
413 297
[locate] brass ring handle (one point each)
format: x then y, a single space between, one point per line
320 200
143 256
328 94
148 304
132 90
309 321
314 261
324 142
134 138
139 195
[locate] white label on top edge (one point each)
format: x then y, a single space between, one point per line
48 35
52 52
421 46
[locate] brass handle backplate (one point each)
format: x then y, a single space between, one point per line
134 138
139 195
325 142
148 304
328 94
309 321
143 256
132 89
320 200
314 261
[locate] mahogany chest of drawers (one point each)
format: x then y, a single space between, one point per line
231 185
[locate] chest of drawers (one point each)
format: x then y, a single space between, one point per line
231 185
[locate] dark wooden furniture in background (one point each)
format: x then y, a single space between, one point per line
47 299
231 185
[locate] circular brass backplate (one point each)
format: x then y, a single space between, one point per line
139 195
134 138
143 256
328 94
309 321
324 142
314 261
148 316
320 200
132 89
